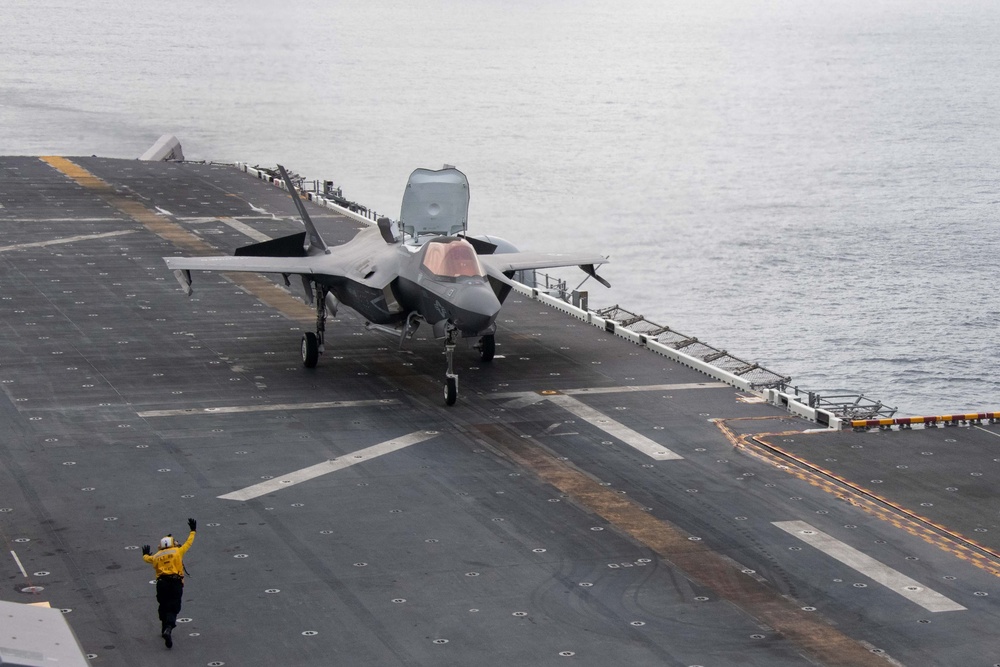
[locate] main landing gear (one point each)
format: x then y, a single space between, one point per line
312 343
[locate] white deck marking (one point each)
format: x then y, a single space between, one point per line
119 220
522 397
68 239
868 566
304 475
19 566
245 229
986 430
225 410
613 428
648 387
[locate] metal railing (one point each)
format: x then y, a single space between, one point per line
758 376
846 406
843 405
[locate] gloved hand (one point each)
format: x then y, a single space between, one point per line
146 550
192 524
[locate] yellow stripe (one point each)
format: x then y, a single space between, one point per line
825 644
162 226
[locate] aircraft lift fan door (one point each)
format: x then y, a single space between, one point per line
435 202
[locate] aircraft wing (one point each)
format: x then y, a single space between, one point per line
304 265
183 266
521 261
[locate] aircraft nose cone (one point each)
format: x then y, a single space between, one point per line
475 309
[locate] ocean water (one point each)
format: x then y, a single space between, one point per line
813 186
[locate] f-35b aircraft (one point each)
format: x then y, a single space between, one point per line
429 271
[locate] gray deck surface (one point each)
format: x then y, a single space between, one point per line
523 528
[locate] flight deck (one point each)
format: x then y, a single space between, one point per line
586 501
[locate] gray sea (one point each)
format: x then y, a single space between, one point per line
811 185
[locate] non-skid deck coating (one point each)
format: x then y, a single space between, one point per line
662 520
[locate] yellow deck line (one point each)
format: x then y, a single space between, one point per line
823 642
161 225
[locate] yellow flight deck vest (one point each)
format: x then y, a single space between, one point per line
170 560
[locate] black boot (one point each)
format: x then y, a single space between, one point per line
166 637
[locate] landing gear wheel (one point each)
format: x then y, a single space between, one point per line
310 349
450 390
487 347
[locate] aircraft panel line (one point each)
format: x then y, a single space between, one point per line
314 471
873 569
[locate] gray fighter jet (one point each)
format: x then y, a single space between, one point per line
428 271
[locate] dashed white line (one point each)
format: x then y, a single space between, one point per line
231 409
305 474
646 387
873 569
68 239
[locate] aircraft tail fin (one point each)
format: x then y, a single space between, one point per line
315 240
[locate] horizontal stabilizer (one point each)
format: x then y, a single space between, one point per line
592 272
286 246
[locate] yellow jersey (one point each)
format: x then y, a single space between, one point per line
170 560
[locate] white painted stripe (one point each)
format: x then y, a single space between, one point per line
245 229
19 566
119 220
648 387
226 410
868 566
614 390
986 430
68 239
615 429
304 475
524 400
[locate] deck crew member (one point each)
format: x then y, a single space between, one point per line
169 565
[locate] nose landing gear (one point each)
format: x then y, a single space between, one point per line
312 343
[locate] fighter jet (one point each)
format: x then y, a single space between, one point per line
425 268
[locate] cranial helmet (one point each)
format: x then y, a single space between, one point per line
167 542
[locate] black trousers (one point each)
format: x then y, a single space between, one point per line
168 593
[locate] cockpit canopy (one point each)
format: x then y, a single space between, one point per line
452 258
